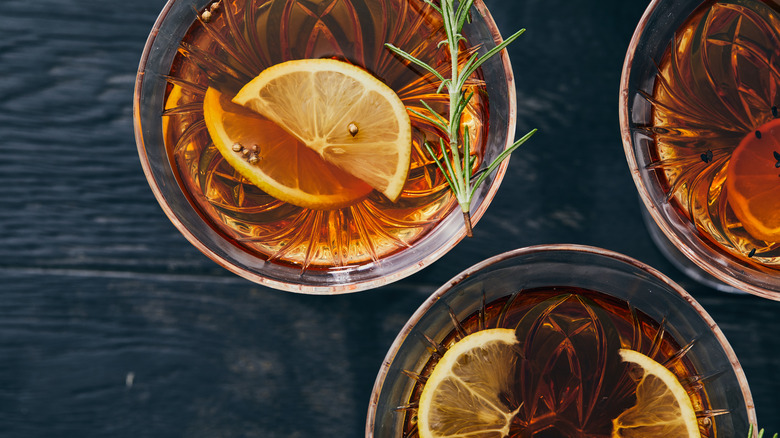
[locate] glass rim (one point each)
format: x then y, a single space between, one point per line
339 288
560 248
691 245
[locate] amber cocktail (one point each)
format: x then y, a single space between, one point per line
699 117
307 224
553 331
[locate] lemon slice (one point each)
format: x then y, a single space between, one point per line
462 395
343 113
663 407
282 166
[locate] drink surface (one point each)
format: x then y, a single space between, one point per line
716 99
568 380
234 41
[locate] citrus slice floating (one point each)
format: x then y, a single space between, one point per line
343 113
663 408
462 395
284 168
753 182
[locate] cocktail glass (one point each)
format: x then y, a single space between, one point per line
648 291
684 243
150 92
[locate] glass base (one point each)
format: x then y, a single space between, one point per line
680 261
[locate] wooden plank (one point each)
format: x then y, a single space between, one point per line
111 323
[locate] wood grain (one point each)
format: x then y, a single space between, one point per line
112 324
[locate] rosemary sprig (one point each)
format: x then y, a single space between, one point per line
457 169
760 433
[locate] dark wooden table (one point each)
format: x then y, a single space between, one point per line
112 324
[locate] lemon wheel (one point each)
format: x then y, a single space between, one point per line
340 111
281 165
462 395
663 408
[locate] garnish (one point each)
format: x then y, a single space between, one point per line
321 163
752 189
760 433
456 163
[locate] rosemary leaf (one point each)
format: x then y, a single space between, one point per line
433 5
414 60
459 172
438 163
501 157
463 13
438 116
490 53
